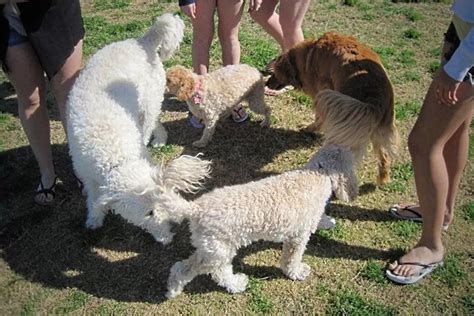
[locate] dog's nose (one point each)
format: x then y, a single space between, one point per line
274 84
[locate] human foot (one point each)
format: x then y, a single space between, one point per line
414 213
45 193
415 265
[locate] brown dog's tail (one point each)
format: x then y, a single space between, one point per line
350 122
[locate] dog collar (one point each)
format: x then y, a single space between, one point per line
197 96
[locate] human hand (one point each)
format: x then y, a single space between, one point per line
254 5
446 88
189 10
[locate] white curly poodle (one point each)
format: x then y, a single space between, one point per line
113 109
214 95
283 208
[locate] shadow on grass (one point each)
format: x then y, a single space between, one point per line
119 261
238 150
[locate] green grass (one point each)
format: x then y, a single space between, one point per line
374 272
76 300
338 232
411 14
405 229
111 4
467 211
434 66
100 31
259 303
401 174
349 302
407 110
452 273
411 76
51 264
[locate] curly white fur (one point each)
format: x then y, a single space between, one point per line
112 110
283 208
214 95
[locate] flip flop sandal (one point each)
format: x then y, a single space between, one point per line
239 115
395 212
195 122
405 280
80 185
46 192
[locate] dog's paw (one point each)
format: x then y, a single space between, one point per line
171 293
327 222
299 273
238 283
200 144
165 239
156 143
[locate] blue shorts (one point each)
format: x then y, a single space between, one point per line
16 38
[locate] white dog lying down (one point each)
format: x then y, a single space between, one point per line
112 111
283 208
214 95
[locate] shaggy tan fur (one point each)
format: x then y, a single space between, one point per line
282 208
217 93
353 97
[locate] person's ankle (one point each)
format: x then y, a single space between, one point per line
48 179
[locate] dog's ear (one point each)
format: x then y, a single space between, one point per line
345 186
337 162
343 178
180 82
185 92
286 70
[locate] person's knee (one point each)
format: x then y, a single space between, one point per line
417 146
229 39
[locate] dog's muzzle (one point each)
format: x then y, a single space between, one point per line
274 84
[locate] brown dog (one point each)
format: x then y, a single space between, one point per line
353 97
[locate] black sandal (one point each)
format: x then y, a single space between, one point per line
46 192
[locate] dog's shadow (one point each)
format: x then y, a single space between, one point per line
239 151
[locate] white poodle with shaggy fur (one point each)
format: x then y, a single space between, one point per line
283 208
216 94
113 109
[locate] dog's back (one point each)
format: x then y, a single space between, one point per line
270 209
343 64
232 83
353 96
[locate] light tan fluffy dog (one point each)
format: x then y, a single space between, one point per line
283 208
353 97
214 95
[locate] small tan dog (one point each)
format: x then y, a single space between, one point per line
214 95
352 94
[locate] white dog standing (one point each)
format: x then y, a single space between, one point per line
113 110
283 208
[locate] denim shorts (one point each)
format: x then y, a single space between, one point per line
16 38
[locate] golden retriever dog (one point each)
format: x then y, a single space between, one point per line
353 97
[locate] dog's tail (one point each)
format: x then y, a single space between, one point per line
352 123
176 207
185 174
164 35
